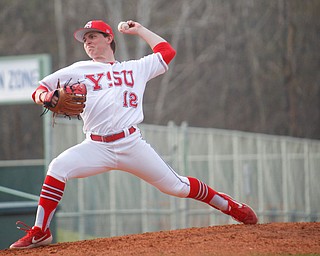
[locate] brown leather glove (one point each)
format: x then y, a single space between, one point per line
71 99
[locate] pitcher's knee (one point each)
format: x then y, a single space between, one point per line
180 188
55 170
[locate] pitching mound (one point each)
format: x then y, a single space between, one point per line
261 239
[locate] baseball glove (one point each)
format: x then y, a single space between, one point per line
70 99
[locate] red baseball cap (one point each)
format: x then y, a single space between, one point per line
93 25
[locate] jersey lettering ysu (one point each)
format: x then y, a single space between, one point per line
114 90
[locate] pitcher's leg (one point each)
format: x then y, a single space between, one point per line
50 196
142 161
39 234
145 163
81 160
202 192
226 204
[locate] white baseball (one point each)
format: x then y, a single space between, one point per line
123 26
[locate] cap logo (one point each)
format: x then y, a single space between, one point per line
88 25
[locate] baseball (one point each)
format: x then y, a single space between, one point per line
123 26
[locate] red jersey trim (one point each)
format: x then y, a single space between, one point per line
39 87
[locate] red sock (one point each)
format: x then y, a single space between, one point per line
200 191
51 194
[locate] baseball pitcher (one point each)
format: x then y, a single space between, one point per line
108 96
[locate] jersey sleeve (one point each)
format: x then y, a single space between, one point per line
149 66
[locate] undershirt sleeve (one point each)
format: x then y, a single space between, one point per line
39 87
166 50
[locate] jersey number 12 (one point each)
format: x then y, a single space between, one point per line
130 99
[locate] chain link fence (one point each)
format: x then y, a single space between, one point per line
276 175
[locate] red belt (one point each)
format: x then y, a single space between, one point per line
113 137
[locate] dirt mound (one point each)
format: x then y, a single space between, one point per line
261 239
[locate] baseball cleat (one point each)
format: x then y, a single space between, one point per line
35 237
239 211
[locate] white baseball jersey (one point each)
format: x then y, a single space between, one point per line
114 103
115 91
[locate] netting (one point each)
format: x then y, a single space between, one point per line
276 175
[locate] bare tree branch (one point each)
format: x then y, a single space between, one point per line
61 39
185 10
